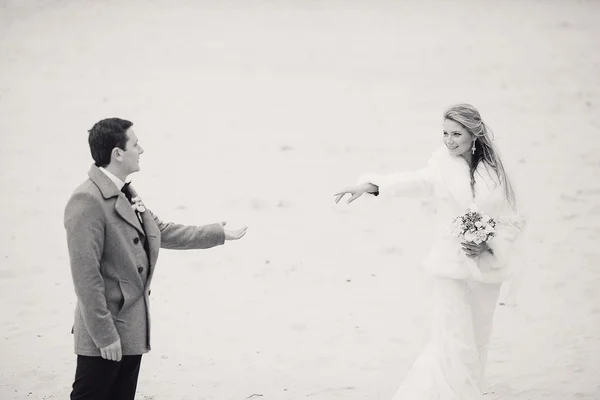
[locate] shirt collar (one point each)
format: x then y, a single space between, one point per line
118 183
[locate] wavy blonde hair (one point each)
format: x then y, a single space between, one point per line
485 151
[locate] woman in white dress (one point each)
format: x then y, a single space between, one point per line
466 172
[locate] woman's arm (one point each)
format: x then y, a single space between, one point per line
417 183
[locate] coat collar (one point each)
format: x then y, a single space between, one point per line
106 186
455 175
110 190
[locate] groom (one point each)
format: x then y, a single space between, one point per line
113 243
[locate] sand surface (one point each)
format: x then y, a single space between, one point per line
256 112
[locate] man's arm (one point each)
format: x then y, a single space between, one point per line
84 222
182 237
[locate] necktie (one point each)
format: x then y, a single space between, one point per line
125 189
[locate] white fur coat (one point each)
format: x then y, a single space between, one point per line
446 178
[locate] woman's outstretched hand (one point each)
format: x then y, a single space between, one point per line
355 192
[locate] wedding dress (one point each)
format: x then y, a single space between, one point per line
465 290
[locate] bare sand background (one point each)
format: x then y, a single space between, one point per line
256 112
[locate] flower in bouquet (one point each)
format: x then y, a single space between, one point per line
474 227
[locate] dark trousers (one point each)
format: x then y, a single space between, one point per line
100 379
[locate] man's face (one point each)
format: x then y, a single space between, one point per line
130 157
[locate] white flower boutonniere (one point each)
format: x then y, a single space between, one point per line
137 205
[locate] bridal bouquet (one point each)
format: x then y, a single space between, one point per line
474 227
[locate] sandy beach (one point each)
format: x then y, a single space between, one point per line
256 113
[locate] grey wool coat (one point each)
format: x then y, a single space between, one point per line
112 268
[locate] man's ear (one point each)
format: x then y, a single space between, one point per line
116 154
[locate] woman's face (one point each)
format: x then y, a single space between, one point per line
457 138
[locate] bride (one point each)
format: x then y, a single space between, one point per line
465 173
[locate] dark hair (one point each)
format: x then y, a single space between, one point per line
104 136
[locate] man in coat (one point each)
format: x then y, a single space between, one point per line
113 243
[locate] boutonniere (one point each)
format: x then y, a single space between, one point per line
137 205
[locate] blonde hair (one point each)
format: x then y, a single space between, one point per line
485 151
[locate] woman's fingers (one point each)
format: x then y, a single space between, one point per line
355 193
354 197
470 252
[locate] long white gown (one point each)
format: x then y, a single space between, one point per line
465 290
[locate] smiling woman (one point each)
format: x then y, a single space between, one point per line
458 139
467 276
466 135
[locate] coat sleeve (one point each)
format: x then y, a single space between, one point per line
84 223
416 183
186 237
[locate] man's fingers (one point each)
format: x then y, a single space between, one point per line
103 353
235 234
119 354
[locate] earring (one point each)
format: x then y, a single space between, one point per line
473 148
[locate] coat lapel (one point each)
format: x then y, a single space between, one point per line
109 190
126 212
153 238
124 209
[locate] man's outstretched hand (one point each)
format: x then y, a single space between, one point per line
112 352
233 234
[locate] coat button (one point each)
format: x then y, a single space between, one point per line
136 240
140 269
